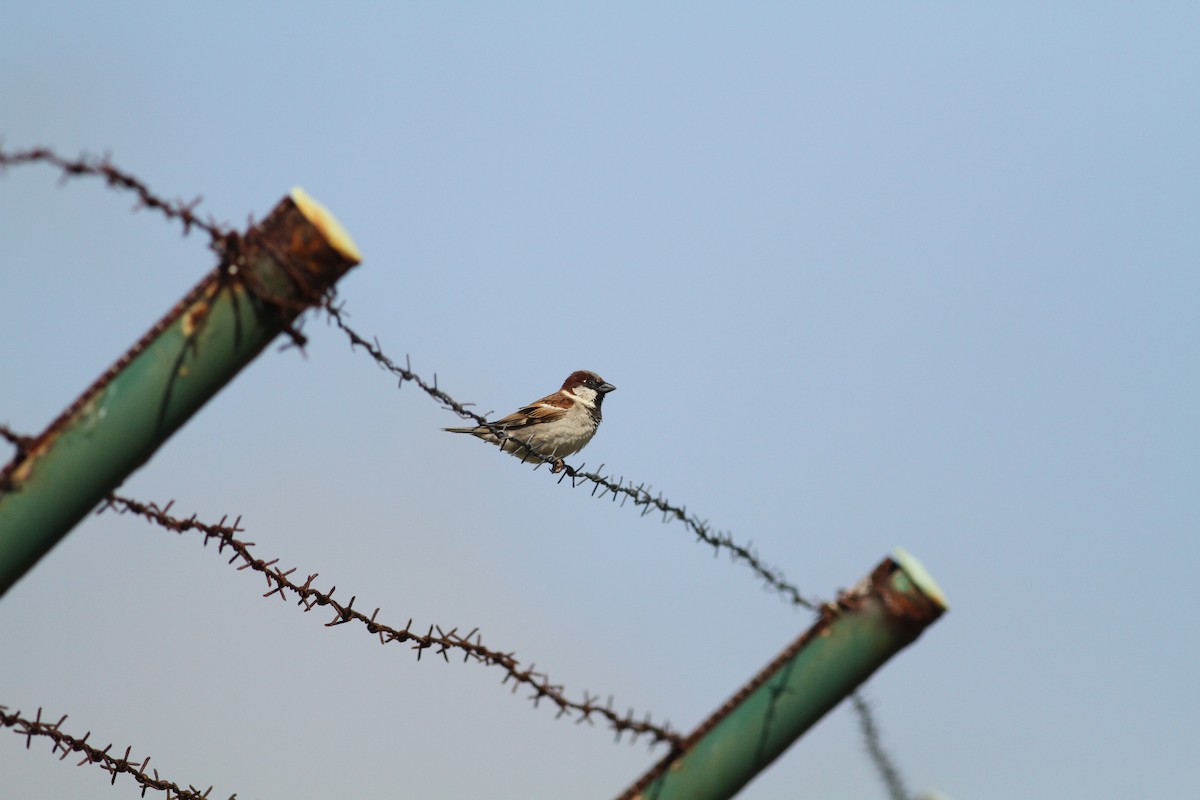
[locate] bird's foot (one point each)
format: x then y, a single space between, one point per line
559 465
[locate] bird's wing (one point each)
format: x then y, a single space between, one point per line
536 414
550 408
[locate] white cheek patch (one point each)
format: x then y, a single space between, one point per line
585 396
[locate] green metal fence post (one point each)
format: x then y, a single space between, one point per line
283 266
869 624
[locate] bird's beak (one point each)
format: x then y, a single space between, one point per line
605 388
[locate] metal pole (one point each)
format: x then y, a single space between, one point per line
869 624
272 273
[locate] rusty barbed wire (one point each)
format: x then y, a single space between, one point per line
640 493
437 640
102 167
66 744
873 741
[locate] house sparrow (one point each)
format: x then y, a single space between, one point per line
556 426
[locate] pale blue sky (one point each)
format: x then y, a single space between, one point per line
865 277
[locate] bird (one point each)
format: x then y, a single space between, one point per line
557 426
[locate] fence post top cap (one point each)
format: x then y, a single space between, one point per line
329 226
920 576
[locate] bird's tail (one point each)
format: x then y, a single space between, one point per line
461 430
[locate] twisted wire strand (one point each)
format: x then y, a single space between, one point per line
435 639
639 493
102 167
889 773
65 744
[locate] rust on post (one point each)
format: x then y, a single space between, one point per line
264 280
293 236
852 637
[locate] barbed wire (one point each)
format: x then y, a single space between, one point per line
639 493
873 741
102 167
437 640
227 244
66 744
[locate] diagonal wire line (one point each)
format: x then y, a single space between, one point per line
437 640
103 167
888 772
640 494
66 744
